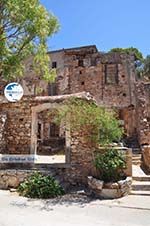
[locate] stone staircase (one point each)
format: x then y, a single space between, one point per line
141 182
136 156
136 159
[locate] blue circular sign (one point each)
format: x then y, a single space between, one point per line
13 92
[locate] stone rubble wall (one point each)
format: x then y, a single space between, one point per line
17 127
143 113
18 141
12 178
79 163
91 78
110 190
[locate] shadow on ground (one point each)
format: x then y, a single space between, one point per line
72 199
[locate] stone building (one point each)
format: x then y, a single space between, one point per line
109 77
26 127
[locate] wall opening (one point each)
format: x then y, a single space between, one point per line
52 89
54 64
80 63
111 74
50 141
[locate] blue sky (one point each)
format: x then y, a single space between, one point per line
105 23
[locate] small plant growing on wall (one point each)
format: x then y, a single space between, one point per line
38 185
38 90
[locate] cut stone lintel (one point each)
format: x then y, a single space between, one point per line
60 98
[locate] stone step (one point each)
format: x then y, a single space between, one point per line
136 150
141 186
136 162
141 178
136 157
145 193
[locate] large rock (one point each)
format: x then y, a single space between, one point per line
13 182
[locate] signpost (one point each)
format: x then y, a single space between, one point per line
13 92
18 158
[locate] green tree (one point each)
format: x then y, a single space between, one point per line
139 60
131 50
87 116
25 26
145 70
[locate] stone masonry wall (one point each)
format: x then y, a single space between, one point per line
17 127
18 139
80 155
91 77
143 112
109 77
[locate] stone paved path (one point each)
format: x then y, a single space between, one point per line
141 182
138 172
73 211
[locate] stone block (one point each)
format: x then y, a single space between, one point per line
111 185
95 184
13 181
110 193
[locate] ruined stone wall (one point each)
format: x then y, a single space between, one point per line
35 85
80 155
87 72
143 112
128 115
18 139
17 127
109 77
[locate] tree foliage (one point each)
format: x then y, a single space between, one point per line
85 115
142 64
131 50
25 26
145 68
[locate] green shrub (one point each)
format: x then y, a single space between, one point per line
39 186
110 165
103 124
